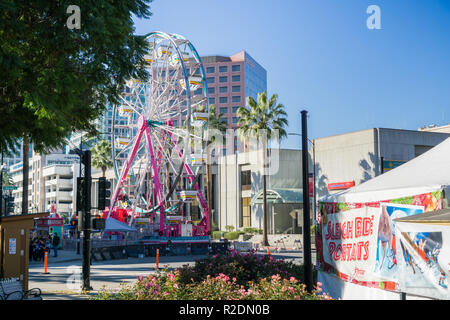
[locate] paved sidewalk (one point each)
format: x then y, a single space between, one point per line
63 256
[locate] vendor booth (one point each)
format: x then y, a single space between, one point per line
425 244
362 250
46 226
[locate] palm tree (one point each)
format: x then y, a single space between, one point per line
102 156
261 119
7 179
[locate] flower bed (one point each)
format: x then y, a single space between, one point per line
223 277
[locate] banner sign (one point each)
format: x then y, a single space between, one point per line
425 267
391 164
358 242
341 185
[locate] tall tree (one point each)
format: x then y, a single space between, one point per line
102 156
57 79
263 120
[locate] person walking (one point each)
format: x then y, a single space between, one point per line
41 250
55 243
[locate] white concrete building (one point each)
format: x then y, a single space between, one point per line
239 191
51 180
355 157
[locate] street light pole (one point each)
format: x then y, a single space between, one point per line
314 171
307 261
86 259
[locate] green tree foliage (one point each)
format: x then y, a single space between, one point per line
7 179
56 79
102 156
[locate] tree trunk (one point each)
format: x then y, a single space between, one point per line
104 171
265 239
25 173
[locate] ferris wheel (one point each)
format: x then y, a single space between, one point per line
159 140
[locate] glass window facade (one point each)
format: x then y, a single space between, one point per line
255 77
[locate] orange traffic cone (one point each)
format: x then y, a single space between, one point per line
45 262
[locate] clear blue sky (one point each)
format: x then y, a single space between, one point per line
320 56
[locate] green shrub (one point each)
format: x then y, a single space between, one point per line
229 228
216 235
233 235
253 230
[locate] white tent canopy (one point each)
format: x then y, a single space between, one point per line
113 225
428 172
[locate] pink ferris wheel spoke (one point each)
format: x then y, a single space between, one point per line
190 174
127 165
158 187
161 108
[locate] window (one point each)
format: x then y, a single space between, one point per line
246 179
223 110
236 68
223 89
210 80
236 78
246 216
236 98
224 120
235 109
198 91
236 89
223 69
212 90
223 100
212 100
235 120
223 79
210 69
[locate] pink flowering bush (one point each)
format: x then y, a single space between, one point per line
245 268
223 277
166 286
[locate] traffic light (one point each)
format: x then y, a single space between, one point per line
98 223
80 197
104 193
74 222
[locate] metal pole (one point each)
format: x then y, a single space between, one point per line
306 206
1 188
86 259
